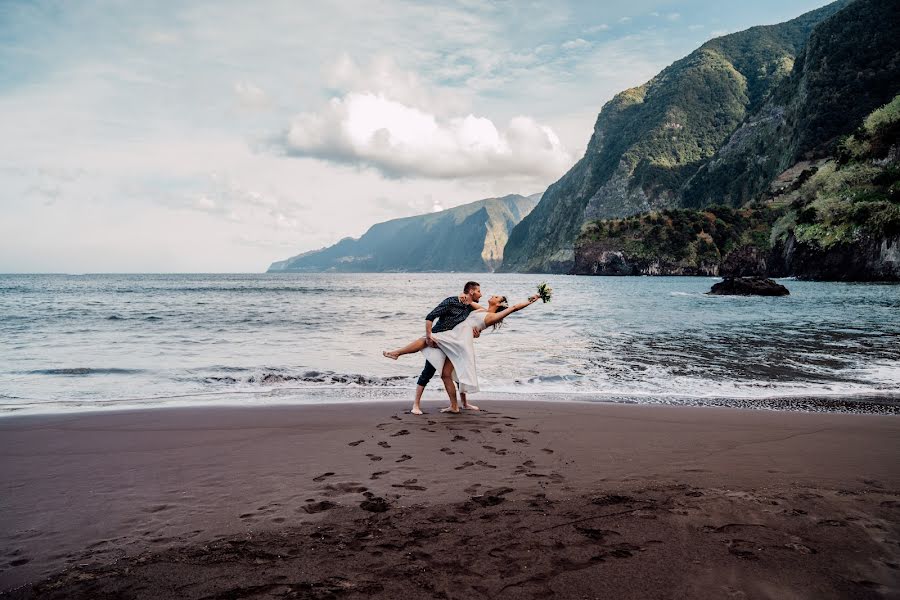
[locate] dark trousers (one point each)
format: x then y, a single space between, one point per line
427 373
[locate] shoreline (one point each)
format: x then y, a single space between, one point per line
97 492
863 402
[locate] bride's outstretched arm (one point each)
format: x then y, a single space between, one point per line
494 318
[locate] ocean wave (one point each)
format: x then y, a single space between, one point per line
242 290
85 371
311 377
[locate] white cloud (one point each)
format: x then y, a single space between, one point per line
251 96
401 141
624 20
597 28
695 27
576 44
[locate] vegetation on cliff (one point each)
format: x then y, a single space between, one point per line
675 241
849 66
853 196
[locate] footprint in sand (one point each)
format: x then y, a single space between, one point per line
465 465
373 457
399 433
317 507
547 450
528 463
743 549
429 430
447 451
459 438
404 458
347 487
356 443
481 463
396 418
323 476
520 441
496 430
832 523
378 474
374 504
409 484
384 444
512 418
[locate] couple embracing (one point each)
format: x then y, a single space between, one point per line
450 332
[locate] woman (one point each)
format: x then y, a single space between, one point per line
454 356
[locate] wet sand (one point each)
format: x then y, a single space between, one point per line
523 500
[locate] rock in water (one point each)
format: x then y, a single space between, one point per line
748 286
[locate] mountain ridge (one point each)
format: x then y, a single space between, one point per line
469 237
650 139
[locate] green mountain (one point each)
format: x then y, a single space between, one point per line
849 67
834 218
470 238
649 141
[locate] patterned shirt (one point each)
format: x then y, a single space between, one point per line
450 312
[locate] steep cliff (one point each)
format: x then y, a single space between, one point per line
650 140
470 237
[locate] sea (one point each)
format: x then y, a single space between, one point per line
102 342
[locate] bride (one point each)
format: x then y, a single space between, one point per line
454 355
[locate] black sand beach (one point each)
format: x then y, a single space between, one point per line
523 500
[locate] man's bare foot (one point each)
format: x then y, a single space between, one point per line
391 355
449 409
470 407
416 410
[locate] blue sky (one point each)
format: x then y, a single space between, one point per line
220 136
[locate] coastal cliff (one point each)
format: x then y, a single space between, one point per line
470 237
743 122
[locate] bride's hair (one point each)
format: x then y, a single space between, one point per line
503 305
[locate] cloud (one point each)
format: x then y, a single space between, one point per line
576 44
695 27
624 20
597 28
402 141
251 96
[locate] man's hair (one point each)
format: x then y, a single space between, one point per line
470 285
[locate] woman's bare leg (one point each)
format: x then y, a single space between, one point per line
447 378
465 404
416 346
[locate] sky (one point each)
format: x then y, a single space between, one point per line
219 136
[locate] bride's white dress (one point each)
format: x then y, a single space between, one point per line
458 344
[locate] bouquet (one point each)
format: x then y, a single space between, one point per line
545 292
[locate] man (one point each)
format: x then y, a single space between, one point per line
449 313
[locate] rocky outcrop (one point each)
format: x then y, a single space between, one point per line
748 286
470 237
868 259
596 260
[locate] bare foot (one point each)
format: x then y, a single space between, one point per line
450 409
416 410
391 355
470 407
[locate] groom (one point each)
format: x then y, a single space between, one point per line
449 313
